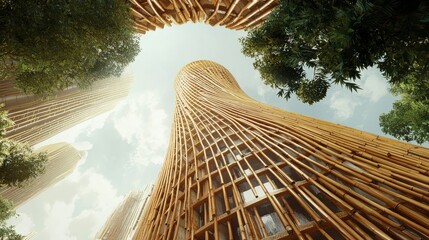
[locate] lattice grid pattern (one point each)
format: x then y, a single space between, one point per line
233 14
239 169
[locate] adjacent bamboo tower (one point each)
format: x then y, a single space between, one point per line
233 14
62 160
123 221
240 169
37 120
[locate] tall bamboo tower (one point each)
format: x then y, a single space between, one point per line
37 120
240 169
233 14
62 160
123 221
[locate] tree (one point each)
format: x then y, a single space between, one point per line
4 124
7 232
337 40
409 118
18 163
47 46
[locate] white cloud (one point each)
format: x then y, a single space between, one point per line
344 104
142 122
374 88
23 224
97 185
74 209
72 133
104 199
261 91
60 214
89 221
83 146
99 197
97 122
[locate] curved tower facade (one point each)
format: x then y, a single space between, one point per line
234 14
240 169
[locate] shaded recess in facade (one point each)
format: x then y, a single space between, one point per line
233 14
240 169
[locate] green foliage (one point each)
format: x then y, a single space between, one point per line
407 121
51 45
7 232
5 210
311 91
4 123
20 164
409 118
338 39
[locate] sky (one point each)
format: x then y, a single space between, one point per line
123 149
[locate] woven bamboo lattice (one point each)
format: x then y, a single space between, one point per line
240 169
234 14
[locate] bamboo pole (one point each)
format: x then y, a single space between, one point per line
234 15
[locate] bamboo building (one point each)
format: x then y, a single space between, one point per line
30 236
122 222
37 120
233 14
240 169
62 160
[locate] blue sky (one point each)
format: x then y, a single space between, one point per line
124 149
